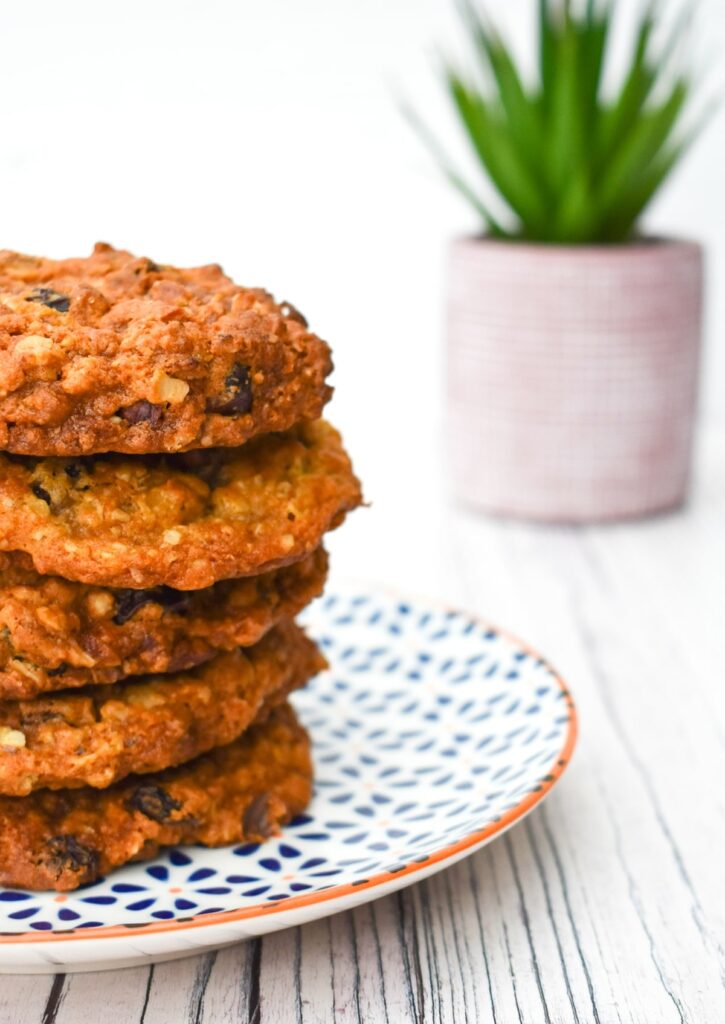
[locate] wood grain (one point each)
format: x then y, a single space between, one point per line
606 904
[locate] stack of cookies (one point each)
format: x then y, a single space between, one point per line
165 485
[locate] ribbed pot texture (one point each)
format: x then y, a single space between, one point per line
572 376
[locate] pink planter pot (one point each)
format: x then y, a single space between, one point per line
572 376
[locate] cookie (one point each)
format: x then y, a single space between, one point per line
55 634
240 793
97 736
183 521
116 353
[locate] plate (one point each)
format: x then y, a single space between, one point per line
433 733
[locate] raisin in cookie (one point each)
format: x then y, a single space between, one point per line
116 353
55 634
240 793
183 521
97 736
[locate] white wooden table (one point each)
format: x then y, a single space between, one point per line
607 903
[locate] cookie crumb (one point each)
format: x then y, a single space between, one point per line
168 389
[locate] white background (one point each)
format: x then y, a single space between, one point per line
267 136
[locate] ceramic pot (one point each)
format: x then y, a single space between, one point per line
572 376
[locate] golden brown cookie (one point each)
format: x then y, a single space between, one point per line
55 634
242 792
116 353
184 521
97 736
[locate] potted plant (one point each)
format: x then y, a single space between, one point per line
572 340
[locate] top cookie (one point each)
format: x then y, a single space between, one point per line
116 353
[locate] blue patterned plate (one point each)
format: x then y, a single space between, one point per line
433 732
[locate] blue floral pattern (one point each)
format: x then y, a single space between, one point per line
429 727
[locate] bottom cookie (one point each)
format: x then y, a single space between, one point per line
243 792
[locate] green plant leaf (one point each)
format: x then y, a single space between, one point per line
492 225
641 148
618 119
593 44
565 142
620 225
520 110
488 134
547 46
575 219
574 122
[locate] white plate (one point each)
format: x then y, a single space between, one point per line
433 733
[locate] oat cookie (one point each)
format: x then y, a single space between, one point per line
239 793
97 736
183 521
55 634
116 353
